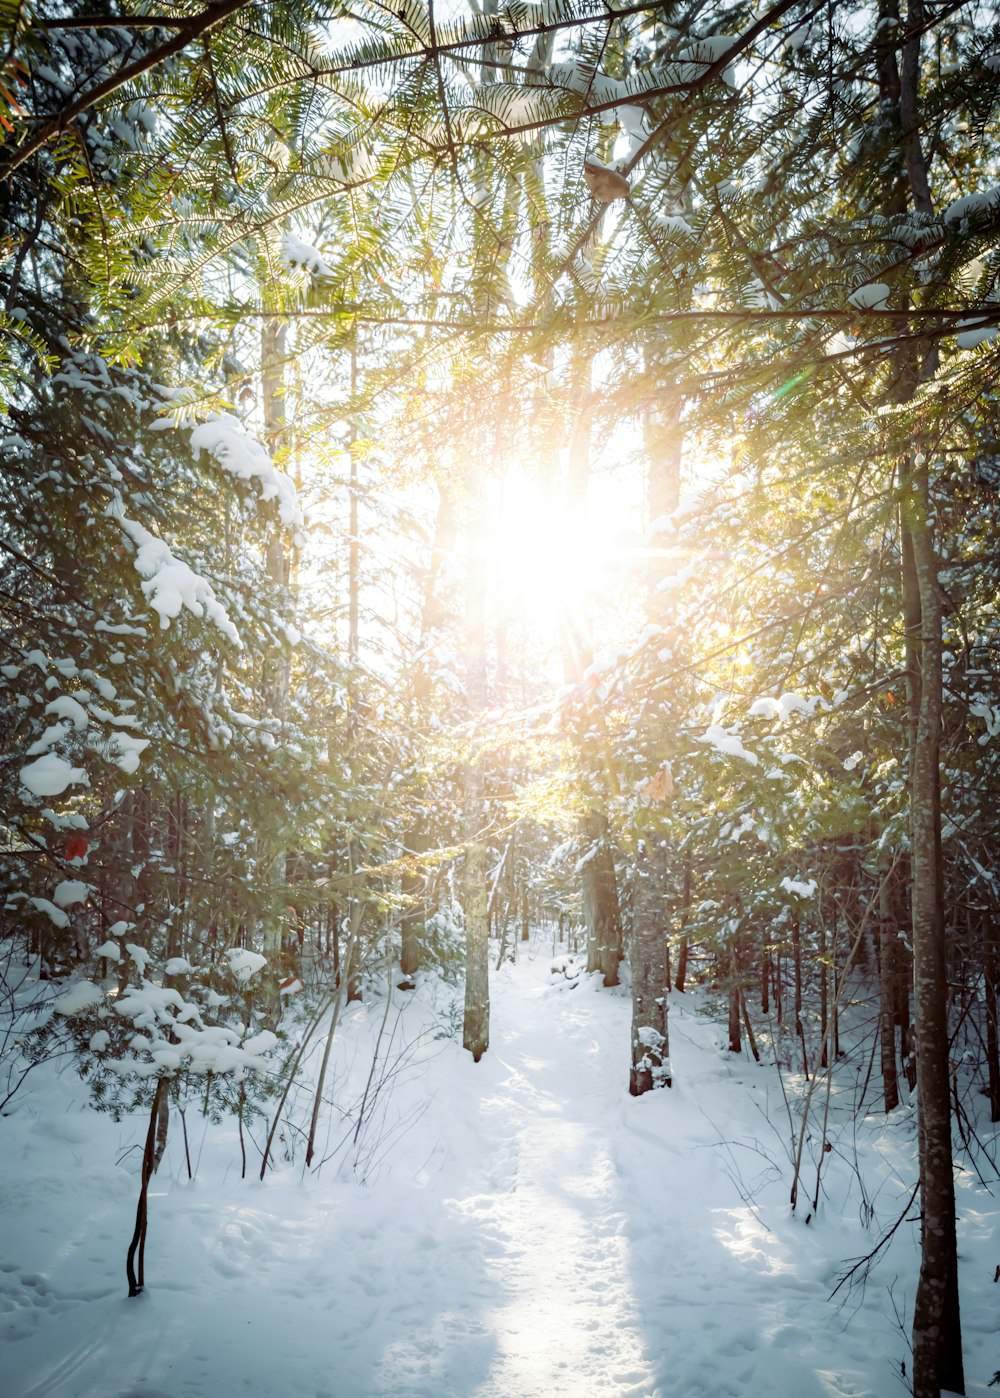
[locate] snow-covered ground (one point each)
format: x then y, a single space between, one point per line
516 1229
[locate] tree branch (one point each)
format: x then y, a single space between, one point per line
53 126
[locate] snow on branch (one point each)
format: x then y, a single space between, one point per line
171 584
232 446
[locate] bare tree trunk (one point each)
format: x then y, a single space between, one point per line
797 971
735 1042
888 990
419 838
989 955
600 901
476 1026
276 676
137 1278
682 953
937 1335
650 979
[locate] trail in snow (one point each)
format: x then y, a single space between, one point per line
525 1231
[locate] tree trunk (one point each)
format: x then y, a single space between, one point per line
888 978
797 971
600 901
937 1335
989 955
136 1276
419 838
650 980
276 675
476 1025
735 1043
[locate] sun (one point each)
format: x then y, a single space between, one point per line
552 566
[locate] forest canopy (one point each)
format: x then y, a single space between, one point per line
470 467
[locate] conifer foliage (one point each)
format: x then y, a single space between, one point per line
387 262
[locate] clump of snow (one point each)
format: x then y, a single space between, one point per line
729 744
783 707
674 223
52 735
124 750
297 252
55 915
51 775
67 707
178 966
82 996
870 297
70 891
244 964
171 585
990 715
110 951
801 888
225 438
971 204
139 956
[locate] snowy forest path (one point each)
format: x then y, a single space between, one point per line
516 1228
563 1289
606 1249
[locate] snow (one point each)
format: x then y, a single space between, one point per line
244 964
784 707
224 437
729 744
68 707
84 995
674 223
972 204
139 956
110 951
54 914
70 891
870 297
52 735
297 252
519 1228
51 775
802 888
171 585
124 750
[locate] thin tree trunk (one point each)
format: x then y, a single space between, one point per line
937 1335
137 1278
600 901
735 1043
797 971
650 979
888 957
476 1023
989 955
276 668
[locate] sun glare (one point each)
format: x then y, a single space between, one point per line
547 562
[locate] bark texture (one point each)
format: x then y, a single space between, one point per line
650 977
937 1334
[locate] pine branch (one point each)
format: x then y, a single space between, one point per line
53 126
